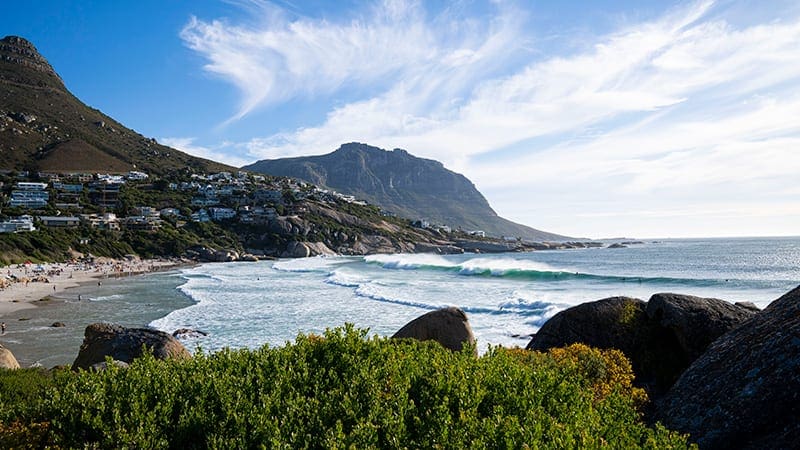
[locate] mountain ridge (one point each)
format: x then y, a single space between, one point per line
44 127
399 182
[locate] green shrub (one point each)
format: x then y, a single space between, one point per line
343 389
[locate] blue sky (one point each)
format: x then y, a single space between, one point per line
597 119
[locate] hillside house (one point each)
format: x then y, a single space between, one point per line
27 197
107 221
217 214
17 224
141 223
60 221
201 216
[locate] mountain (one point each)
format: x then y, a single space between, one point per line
43 127
404 184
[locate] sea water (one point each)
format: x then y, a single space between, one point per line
507 297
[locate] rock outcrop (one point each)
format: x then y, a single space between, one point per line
125 344
660 337
447 326
621 323
403 184
744 391
694 321
7 359
185 333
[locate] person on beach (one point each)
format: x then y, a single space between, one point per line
3 328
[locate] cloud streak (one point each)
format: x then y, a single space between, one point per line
691 104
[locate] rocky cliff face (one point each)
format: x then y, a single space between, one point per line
397 181
43 127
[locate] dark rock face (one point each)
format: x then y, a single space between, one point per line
184 333
58 325
447 326
744 391
621 323
606 323
696 322
660 337
125 344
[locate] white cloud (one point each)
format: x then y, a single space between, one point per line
187 145
687 106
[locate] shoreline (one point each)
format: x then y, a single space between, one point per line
23 285
48 331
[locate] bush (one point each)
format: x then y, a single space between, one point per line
344 389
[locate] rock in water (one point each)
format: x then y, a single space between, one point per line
447 326
185 333
744 391
125 344
694 321
7 359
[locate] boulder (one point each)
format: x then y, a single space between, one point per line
447 326
7 359
617 245
319 248
101 366
125 344
184 333
695 322
748 305
58 325
296 249
621 323
606 323
744 391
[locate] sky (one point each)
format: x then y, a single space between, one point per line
585 118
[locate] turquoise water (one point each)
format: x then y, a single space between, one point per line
506 296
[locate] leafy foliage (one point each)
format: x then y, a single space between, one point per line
346 390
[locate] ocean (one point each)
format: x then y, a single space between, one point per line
507 297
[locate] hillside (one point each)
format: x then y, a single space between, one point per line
406 185
43 127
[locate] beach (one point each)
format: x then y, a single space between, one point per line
46 316
21 285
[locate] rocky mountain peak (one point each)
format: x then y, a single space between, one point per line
19 51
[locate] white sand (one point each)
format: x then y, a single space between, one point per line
22 284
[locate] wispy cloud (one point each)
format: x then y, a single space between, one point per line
391 42
694 104
219 153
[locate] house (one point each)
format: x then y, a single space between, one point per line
107 221
204 201
221 213
17 224
145 211
201 216
60 221
268 195
105 192
29 186
28 198
170 212
141 223
136 176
